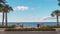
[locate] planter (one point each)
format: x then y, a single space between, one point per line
30 29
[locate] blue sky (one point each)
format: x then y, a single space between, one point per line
32 10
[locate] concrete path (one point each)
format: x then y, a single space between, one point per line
1 31
30 32
58 30
17 32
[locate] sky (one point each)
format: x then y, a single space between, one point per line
31 10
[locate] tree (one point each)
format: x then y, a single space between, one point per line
59 2
56 13
6 9
2 2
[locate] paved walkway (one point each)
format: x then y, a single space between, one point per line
17 32
58 30
1 31
41 32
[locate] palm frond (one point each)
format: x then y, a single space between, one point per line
11 8
59 4
3 1
55 12
52 15
58 0
7 8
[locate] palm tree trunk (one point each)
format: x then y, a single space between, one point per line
3 19
6 18
57 21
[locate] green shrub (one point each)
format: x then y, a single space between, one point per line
53 26
30 29
7 26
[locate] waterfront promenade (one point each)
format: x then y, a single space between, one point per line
17 32
30 32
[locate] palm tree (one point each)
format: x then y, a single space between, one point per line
2 15
59 2
2 2
56 13
6 9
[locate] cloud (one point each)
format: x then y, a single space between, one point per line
49 18
0 13
21 8
31 18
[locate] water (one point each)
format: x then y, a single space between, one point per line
32 24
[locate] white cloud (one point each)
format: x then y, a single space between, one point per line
21 8
0 13
49 18
33 19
